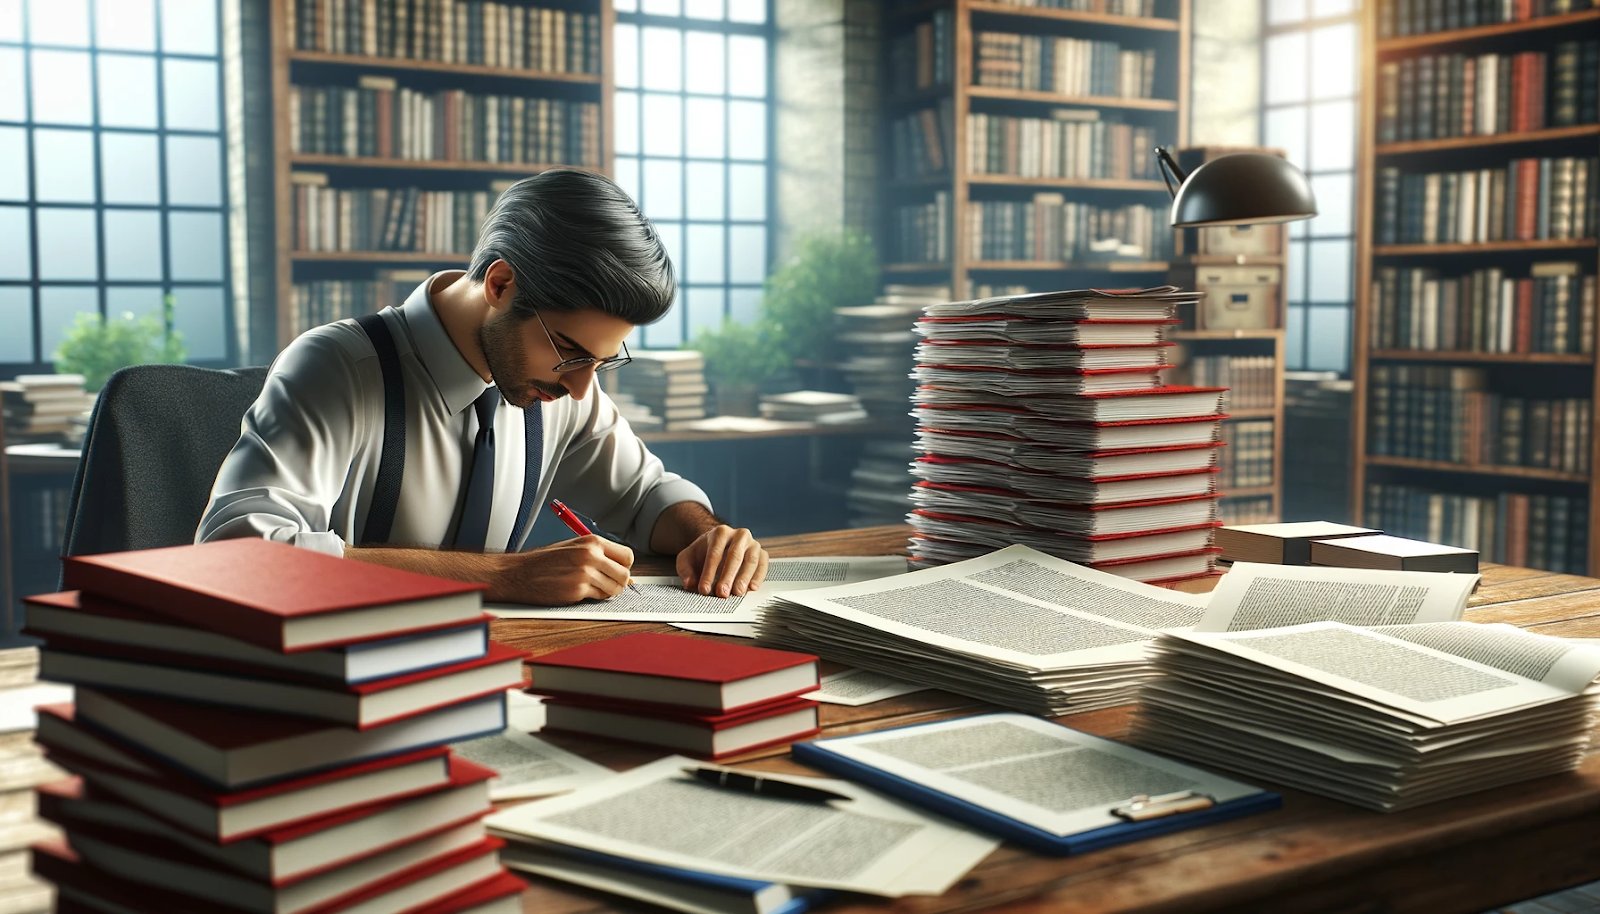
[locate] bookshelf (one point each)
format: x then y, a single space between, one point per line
1486 358
507 50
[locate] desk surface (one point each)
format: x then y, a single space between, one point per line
1465 855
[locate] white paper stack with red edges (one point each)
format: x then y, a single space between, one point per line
1042 420
704 698
260 728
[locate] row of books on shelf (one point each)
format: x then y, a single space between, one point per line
380 119
1075 143
1252 380
921 143
1553 310
1550 532
1247 460
1144 8
384 219
1529 199
1251 509
1051 228
1397 18
506 35
924 56
1066 66
323 301
1444 413
1452 95
923 231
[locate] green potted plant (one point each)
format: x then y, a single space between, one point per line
738 358
96 348
827 271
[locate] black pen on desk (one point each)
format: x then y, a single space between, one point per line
767 787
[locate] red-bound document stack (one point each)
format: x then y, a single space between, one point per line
1043 420
260 728
704 698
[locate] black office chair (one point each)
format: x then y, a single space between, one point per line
157 437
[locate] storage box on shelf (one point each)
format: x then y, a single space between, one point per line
1476 300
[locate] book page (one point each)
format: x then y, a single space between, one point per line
1016 605
528 766
1560 662
659 814
663 599
860 687
1252 596
1424 681
1040 773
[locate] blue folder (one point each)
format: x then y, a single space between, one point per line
818 755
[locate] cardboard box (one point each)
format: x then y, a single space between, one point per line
1232 297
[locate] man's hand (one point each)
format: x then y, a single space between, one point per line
561 574
724 561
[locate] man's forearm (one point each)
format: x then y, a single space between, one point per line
472 567
679 525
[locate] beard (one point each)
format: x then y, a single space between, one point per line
501 339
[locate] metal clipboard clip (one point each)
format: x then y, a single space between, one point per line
1143 806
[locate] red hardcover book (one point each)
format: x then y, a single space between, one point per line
362 705
275 595
706 735
234 748
1527 175
666 669
294 853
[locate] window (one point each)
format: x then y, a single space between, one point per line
1309 105
112 190
692 134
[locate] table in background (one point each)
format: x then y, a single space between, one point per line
1464 855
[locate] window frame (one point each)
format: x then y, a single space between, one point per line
165 285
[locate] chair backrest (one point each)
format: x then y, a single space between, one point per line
157 437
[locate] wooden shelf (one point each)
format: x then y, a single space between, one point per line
317 160
1053 98
1493 139
436 66
1249 492
378 257
922 181
1231 260
1479 469
1263 334
1517 358
1148 23
1077 183
1109 266
1266 412
916 268
1453 36
1486 247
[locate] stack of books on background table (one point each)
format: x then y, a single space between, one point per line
705 698
880 483
638 415
818 406
670 382
42 407
22 768
262 728
1043 421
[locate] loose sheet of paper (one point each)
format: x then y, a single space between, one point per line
658 814
860 687
663 599
1039 773
1252 596
528 766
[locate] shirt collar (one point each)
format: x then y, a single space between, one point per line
457 382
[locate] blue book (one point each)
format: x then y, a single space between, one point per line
1044 786
680 889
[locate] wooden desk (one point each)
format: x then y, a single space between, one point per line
1314 855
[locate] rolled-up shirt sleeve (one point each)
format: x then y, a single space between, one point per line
285 476
610 475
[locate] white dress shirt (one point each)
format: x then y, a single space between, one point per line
303 469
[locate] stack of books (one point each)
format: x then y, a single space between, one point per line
704 698
22 768
42 407
1389 717
819 406
1043 421
880 483
261 728
638 415
670 382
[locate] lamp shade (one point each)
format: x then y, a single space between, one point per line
1246 188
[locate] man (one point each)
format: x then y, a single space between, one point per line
429 436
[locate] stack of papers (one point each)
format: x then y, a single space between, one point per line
819 406
1040 414
1027 631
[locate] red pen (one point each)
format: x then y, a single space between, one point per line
577 526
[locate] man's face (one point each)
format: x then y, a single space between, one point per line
522 356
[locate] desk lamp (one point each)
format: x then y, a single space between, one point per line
1246 188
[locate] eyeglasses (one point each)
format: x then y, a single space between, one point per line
611 363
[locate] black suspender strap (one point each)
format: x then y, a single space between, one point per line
533 458
392 461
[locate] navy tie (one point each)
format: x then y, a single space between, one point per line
473 530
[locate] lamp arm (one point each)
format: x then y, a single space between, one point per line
1170 171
